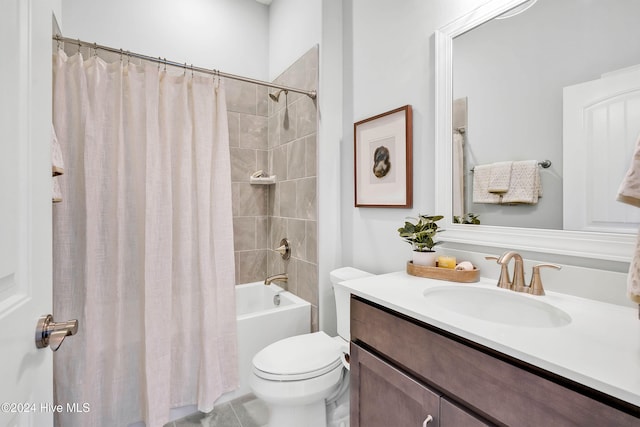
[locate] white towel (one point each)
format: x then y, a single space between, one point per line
458 174
57 163
524 187
499 177
57 166
629 193
56 193
481 194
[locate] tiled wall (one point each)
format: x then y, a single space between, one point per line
292 201
279 138
248 129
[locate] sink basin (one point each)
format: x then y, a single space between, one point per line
498 306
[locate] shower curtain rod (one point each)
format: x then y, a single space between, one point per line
310 93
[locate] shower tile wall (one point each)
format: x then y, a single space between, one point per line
248 127
292 201
279 138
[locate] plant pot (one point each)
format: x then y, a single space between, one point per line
424 258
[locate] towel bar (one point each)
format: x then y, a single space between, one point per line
544 164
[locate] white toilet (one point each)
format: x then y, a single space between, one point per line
298 376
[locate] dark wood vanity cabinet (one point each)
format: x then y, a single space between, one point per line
386 396
403 370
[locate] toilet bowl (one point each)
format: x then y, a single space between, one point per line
298 376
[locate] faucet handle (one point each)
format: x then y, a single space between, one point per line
284 249
535 287
504 281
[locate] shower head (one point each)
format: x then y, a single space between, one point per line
276 95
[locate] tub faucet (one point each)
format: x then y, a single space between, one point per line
282 277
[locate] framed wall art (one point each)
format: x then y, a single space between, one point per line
383 160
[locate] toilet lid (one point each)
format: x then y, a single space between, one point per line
296 358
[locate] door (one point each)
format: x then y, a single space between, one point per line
601 125
26 380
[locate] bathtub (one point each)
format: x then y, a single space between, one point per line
261 322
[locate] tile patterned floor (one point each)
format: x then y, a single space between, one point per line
245 411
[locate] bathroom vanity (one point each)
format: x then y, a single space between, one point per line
413 364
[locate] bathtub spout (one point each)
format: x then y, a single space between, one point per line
282 277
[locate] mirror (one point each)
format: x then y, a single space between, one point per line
463 49
513 72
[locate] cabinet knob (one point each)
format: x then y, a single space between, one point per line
427 420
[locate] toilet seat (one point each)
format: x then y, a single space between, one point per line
298 358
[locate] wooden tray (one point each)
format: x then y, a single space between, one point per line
468 276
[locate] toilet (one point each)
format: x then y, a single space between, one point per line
298 377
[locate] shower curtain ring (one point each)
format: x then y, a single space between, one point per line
121 53
165 64
184 71
191 70
79 44
95 49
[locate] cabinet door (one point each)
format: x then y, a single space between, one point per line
451 415
382 396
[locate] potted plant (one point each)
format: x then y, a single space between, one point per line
420 234
469 218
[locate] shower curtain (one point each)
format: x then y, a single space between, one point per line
143 243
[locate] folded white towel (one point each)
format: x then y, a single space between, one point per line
500 177
524 187
481 194
629 193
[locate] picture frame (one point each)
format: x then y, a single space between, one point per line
383 160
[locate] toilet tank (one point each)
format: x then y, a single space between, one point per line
343 296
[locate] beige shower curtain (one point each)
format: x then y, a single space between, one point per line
143 244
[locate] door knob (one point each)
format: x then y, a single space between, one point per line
51 334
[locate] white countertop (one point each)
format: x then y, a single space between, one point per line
599 348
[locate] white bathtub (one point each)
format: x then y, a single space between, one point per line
261 322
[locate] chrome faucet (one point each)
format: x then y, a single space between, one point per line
282 277
518 270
